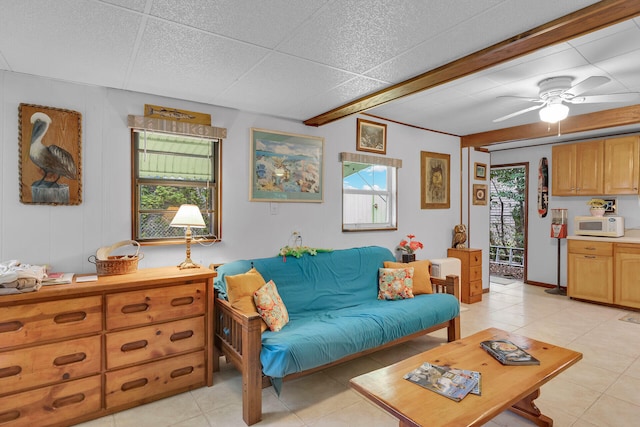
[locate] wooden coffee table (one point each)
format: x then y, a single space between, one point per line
511 388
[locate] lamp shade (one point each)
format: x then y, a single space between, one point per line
188 215
553 113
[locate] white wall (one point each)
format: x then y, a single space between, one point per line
65 236
542 248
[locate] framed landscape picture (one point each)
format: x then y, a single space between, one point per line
285 167
480 171
371 137
435 185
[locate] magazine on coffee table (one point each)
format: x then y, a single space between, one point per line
508 353
449 382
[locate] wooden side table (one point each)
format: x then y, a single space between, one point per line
471 273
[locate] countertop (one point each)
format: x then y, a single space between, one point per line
630 236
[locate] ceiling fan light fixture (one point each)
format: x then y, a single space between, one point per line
553 113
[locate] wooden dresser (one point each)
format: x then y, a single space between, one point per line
71 353
471 273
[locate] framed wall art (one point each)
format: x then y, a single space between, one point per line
371 137
479 194
50 167
285 167
435 184
480 171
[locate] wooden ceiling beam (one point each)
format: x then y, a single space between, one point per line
583 21
585 122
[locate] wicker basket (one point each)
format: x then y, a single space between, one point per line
107 265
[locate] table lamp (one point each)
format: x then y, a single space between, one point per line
188 216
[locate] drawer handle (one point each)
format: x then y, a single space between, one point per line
68 400
182 301
13 326
10 371
69 358
590 256
136 345
135 308
70 317
134 384
181 336
8 416
589 248
181 372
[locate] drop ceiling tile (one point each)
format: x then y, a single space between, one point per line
264 23
86 42
333 98
357 36
610 46
605 32
626 70
279 82
182 62
137 5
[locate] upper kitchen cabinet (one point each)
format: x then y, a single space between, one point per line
577 169
621 165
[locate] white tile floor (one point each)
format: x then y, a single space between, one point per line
603 389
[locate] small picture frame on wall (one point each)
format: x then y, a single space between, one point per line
371 137
479 194
480 171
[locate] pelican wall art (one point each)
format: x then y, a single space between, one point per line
50 154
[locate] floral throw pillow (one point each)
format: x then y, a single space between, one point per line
395 283
270 306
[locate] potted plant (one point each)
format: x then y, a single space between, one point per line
597 207
409 247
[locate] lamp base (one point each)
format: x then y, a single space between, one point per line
187 263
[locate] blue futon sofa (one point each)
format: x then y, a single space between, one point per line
334 315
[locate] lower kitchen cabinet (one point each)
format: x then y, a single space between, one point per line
71 353
604 272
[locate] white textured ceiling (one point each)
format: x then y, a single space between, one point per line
300 58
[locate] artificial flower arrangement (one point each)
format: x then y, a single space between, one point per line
597 203
298 251
410 246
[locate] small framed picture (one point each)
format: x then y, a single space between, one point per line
480 171
371 137
479 194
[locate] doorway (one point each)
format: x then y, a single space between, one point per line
508 190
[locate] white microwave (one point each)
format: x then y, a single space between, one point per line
604 226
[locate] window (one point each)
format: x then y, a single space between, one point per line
171 170
369 193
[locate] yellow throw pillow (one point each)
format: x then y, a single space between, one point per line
421 276
240 289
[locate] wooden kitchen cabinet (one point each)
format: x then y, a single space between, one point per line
590 270
577 169
622 165
470 273
71 353
627 275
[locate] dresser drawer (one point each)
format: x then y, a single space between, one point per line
475 273
46 364
145 381
45 321
151 342
56 404
475 258
475 287
155 305
589 247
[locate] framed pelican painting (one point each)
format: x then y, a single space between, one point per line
50 155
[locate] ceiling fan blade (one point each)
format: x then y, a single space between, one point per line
517 113
587 84
614 97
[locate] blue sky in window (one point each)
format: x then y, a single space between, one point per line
374 176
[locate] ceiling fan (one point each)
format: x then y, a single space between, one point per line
554 92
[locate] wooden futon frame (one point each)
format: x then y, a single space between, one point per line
238 338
